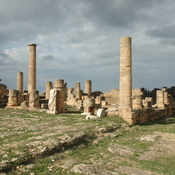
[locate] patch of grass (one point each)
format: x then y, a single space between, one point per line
46 166
162 166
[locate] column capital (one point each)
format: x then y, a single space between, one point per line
32 44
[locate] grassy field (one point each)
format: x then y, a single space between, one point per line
29 143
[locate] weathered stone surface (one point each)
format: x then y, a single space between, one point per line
163 145
133 171
121 150
91 170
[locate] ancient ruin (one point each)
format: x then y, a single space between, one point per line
124 102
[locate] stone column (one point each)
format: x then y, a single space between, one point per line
34 99
88 87
160 99
48 88
78 91
59 85
125 95
137 99
32 68
20 82
125 73
166 98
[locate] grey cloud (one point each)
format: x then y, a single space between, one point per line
5 59
165 32
48 58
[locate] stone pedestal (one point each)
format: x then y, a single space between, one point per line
88 87
20 82
48 88
32 68
13 98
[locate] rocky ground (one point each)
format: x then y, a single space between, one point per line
35 143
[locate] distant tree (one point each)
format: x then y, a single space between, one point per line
171 91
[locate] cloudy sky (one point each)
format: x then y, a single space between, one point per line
78 40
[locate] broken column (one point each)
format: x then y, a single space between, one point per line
89 105
166 96
48 88
88 87
60 86
137 99
160 99
13 98
78 91
20 82
71 100
125 96
34 100
32 68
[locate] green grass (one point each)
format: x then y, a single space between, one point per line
40 123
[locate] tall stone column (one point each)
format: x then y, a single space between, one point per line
78 91
48 88
125 73
125 94
88 87
32 68
20 82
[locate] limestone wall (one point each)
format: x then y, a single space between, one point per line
144 116
111 97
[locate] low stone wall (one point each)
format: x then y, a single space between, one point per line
147 115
